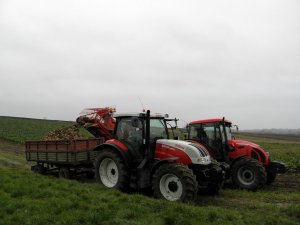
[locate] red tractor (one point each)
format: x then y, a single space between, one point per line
250 165
138 154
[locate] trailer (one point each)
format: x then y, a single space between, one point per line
68 157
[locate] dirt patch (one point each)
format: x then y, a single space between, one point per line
10 163
12 148
271 137
289 181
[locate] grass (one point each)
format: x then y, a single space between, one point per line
28 198
20 130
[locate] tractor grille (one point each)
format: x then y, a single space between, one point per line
202 150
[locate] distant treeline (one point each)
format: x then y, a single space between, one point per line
295 132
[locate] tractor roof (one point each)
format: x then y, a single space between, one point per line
216 120
156 115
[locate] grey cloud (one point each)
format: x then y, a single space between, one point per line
190 59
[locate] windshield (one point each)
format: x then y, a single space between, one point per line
158 129
207 133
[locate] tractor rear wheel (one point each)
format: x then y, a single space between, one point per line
111 171
248 173
174 182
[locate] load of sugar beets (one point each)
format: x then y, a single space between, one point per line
133 151
64 133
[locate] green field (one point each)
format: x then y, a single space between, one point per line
29 198
19 130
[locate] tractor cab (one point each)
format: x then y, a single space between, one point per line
214 134
130 130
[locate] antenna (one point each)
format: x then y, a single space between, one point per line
185 122
142 104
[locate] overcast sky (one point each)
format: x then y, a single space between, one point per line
191 59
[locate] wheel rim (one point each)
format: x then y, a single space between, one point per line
170 187
246 176
109 173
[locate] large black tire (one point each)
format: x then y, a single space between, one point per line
39 169
270 177
64 173
248 173
211 183
174 182
111 171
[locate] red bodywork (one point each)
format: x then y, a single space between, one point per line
248 150
217 120
99 121
161 152
239 148
118 143
164 151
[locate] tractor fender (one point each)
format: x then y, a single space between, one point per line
125 157
159 163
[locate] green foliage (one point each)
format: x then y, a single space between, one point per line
20 130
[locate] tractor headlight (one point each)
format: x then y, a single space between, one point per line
204 160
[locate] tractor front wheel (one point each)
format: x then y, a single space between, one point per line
248 174
111 171
174 182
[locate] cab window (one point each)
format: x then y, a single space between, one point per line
158 129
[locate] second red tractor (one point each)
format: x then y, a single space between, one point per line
250 165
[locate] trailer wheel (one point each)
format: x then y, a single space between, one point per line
174 182
248 174
111 171
39 169
64 173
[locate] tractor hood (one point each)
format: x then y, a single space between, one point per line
242 143
241 147
196 153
